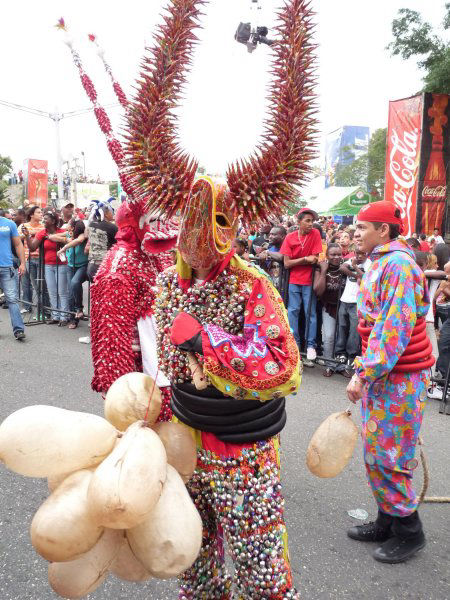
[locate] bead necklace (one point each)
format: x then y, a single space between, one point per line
221 302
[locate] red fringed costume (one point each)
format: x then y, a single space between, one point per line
123 338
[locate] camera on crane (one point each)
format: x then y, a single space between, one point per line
251 37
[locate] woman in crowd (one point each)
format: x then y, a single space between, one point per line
57 273
442 252
328 286
78 261
428 263
442 296
29 281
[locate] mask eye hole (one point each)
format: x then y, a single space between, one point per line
222 220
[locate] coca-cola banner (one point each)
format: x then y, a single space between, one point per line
36 173
434 165
403 158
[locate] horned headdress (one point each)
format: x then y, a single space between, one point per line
160 177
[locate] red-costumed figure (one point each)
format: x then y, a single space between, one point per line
123 337
224 341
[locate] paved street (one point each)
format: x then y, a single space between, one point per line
51 367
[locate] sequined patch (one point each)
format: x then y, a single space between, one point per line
273 331
372 426
239 393
412 464
238 364
260 310
271 367
370 460
277 394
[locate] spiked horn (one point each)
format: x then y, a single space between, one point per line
263 184
114 146
118 90
162 173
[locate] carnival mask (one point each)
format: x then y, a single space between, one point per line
208 225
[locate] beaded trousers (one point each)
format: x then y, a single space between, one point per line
240 502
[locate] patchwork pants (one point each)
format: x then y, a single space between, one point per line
392 412
240 501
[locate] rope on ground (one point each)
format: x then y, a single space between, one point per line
426 480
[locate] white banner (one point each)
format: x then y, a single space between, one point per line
86 192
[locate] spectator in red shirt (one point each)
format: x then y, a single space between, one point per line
301 251
56 269
424 245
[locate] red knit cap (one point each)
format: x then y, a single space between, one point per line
381 212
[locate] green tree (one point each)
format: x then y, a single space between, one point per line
5 169
114 189
415 37
367 170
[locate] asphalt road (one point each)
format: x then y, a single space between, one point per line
51 367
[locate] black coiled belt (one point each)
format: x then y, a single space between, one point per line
233 421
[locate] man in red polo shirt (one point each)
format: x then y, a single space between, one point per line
301 251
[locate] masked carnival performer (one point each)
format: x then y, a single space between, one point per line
123 335
220 322
391 379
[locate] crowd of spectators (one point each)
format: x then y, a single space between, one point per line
55 252
312 261
321 269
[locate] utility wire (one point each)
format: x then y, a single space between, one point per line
43 113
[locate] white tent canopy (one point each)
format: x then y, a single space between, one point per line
330 197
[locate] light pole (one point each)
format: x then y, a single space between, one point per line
56 118
84 164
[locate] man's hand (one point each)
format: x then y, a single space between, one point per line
25 231
263 255
355 389
310 260
354 262
323 265
22 269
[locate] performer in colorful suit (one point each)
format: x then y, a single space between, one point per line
221 324
391 378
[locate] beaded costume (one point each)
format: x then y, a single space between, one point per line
242 342
232 322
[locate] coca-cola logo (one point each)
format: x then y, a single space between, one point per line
40 171
439 191
403 163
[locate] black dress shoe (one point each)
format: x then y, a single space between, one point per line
369 532
397 550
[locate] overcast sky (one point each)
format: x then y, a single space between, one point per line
221 117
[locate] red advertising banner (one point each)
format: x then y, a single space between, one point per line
37 188
434 178
403 158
